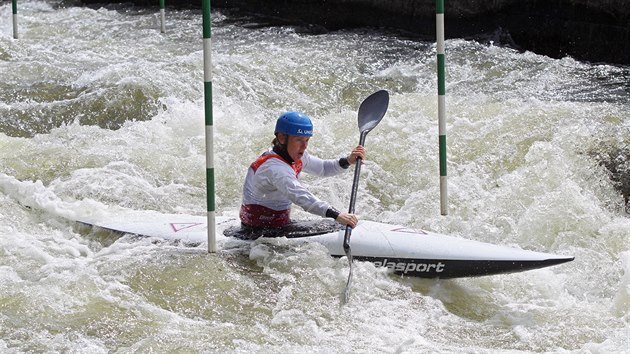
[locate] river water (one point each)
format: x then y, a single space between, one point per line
100 112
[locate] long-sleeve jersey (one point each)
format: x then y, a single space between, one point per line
273 183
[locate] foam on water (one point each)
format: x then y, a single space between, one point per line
522 131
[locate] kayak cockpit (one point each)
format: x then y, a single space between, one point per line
293 230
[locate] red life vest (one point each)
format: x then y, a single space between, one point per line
297 166
255 215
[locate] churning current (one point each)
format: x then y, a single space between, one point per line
101 113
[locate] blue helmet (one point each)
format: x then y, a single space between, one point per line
294 124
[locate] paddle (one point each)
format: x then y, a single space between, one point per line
371 112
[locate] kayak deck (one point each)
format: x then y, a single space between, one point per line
404 250
412 252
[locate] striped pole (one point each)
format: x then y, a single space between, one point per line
207 91
162 16
439 20
15 21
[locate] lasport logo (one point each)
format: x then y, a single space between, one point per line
406 267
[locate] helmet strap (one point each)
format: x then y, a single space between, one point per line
281 149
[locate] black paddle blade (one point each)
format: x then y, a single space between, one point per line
372 110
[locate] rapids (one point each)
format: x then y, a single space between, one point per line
100 112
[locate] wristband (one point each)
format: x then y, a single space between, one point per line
344 163
332 213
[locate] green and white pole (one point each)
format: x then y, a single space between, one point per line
15 20
162 16
439 19
207 90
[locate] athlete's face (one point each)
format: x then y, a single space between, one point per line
296 146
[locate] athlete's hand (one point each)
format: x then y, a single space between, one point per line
358 151
347 219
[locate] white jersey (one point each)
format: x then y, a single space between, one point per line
275 184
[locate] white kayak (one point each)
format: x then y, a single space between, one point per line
406 251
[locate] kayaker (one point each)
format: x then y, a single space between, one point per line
272 183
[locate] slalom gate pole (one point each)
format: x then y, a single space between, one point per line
439 19
162 17
207 90
15 19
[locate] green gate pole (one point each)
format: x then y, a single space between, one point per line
15 20
439 20
162 17
207 90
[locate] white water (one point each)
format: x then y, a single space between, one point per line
100 111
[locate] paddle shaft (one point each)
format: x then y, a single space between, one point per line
353 195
